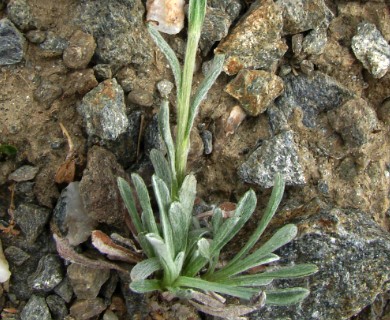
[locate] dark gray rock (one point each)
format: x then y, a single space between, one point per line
215 28
36 309
152 137
19 12
207 138
11 43
87 309
57 307
255 42
86 281
278 154
102 71
352 254
24 173
47 92
98 187
48 274
125 146
25 191
302 15
371 49
104 111
119 30
70 216
355 121
31 219
313 95
53 46
110 286
64 290
16 255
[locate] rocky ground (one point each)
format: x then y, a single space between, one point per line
306 91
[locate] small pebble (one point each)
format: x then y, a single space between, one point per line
164 87
24 173
57 307
80 50
53 46
86 309
47 92
384 111
296 43
18 11
102 71
36 36
16 255
207 138
307 67
36 309
141 97
64 290
48 274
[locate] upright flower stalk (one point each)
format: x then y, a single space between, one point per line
196 14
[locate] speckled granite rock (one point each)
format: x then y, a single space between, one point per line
353 257
48 274
371 49
312 94
98 187
255 89
120 33
11 43
278 154
36 309
104 111
19 12
255 42
302 15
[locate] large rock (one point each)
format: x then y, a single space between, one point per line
11 43
278 154
36 309
256 41
104 111
353 257
119 30
98 187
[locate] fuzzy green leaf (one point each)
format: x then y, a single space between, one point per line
161 167
284 297
168 52
165 131
143 196
297 271
216 220
163 200
280 238
179 225
127 196
204 248
273 203
196 283
145 245
187 196
144 286
231 226
145 268
162 252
